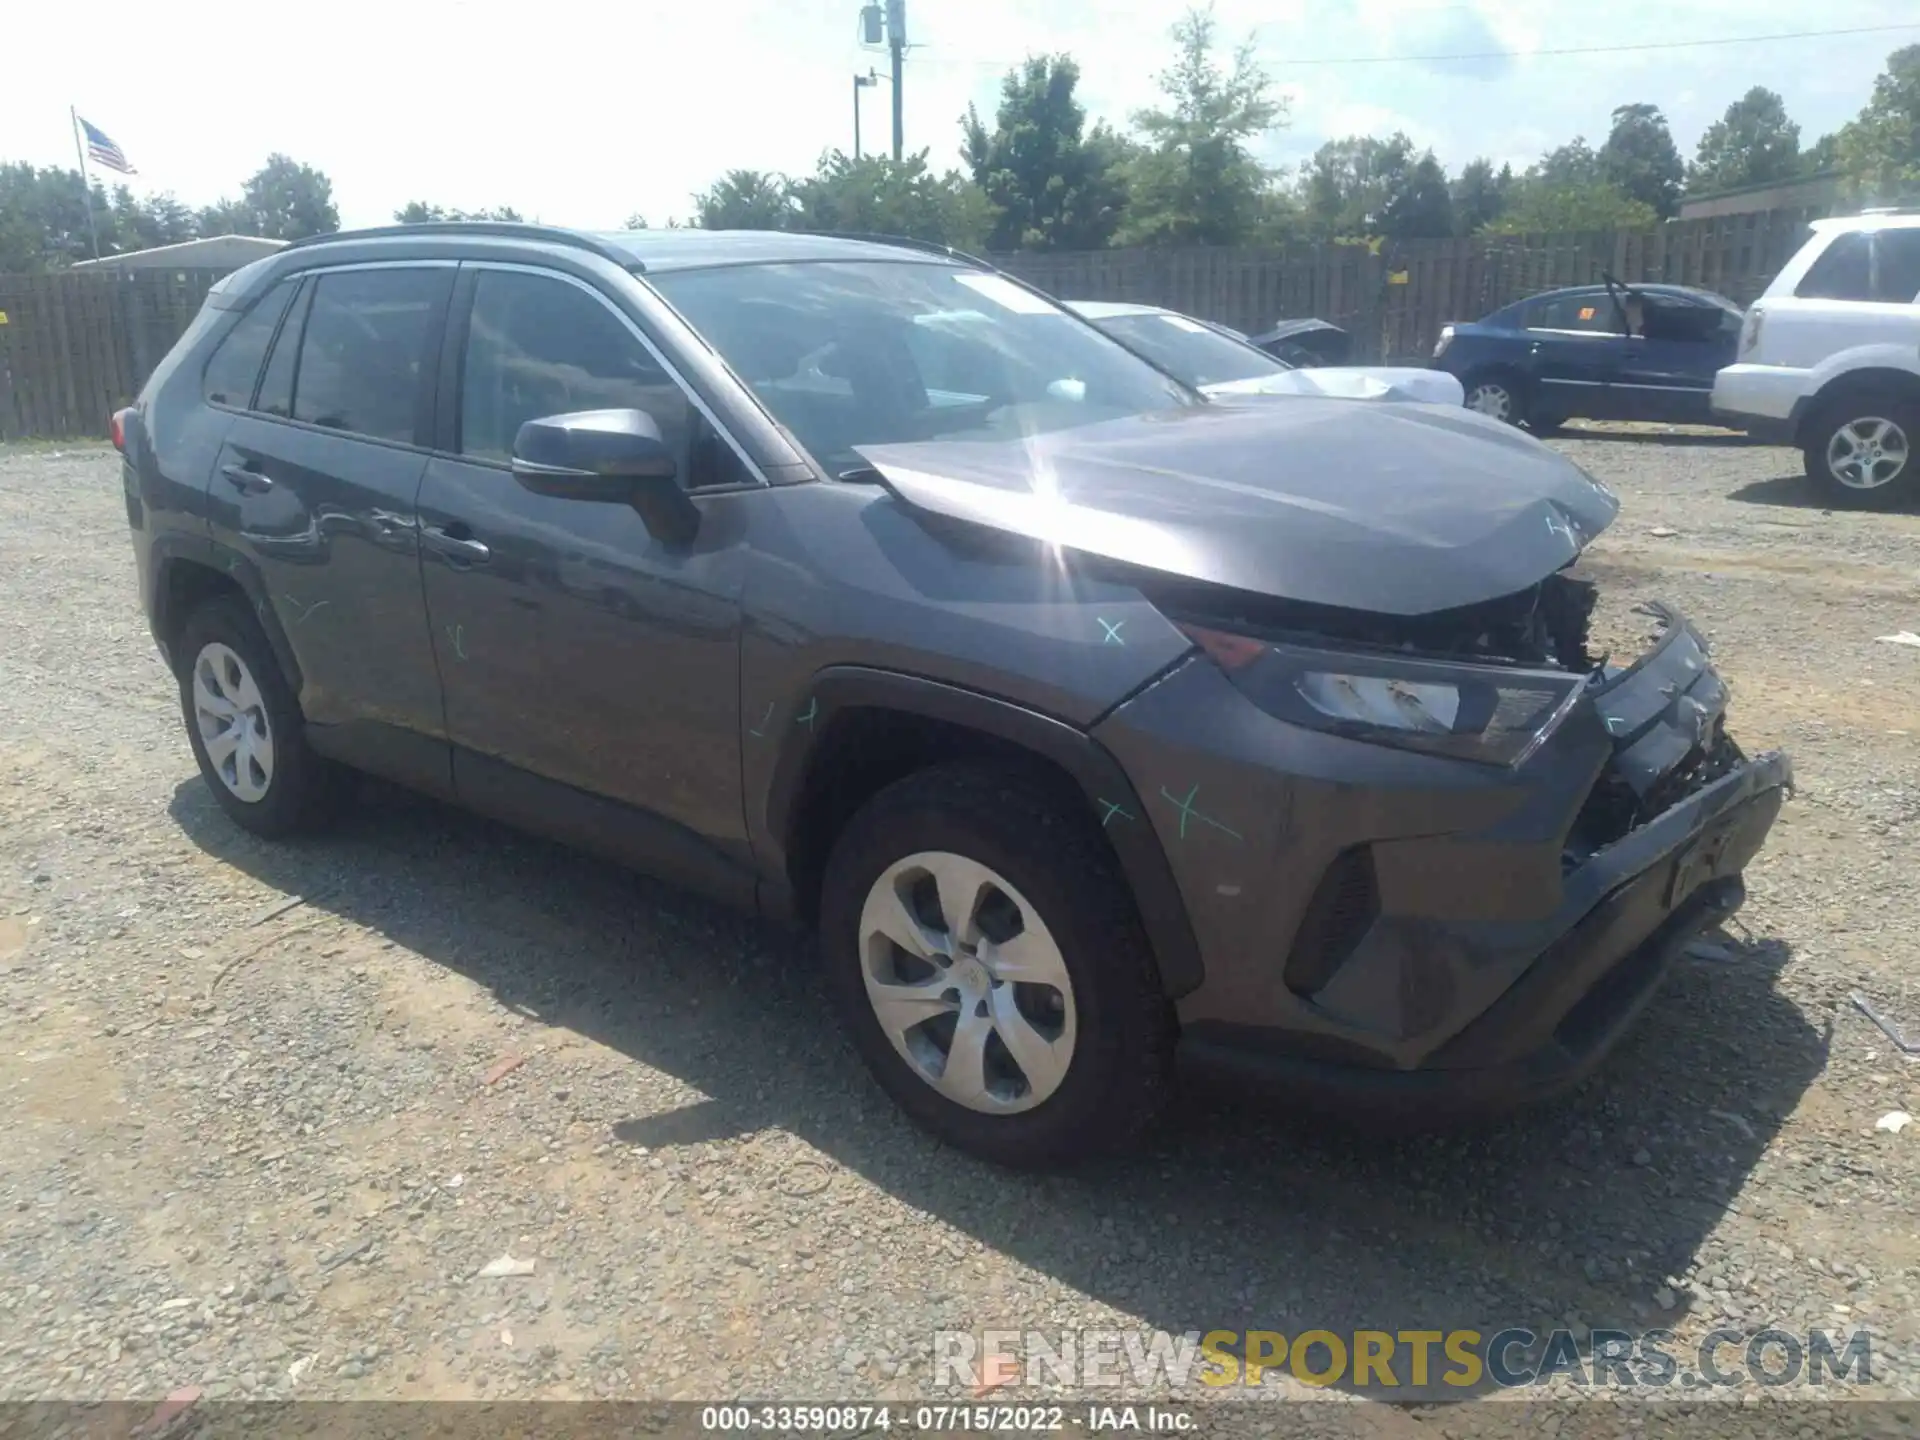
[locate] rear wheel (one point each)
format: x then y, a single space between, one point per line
1859 449
986 957
1498 396
245 726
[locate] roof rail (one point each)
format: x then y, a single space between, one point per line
907 242
508 229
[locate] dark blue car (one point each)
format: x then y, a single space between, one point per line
1599 352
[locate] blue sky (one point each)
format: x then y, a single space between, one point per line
584 111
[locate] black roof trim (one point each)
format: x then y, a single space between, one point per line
506 229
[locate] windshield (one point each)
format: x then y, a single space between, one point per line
849 353
1185 348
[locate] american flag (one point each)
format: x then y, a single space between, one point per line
104 152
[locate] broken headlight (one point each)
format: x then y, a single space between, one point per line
1497 715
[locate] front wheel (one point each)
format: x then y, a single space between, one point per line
1859 450
986 958
1498 397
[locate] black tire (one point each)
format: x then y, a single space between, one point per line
303 791
1834 418
1515 388
1118 1076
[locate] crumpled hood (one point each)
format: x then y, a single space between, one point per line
1352 382
1393 508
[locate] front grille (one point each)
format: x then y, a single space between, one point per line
1613 810
1342 908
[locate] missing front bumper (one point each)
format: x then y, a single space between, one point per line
1561 1018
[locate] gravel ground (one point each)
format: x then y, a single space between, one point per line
276 1106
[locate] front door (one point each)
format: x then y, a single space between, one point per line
591 672
316 485
1575 345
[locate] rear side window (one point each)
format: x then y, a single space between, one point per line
364 350
1842 272
1897 266
235 362
276 386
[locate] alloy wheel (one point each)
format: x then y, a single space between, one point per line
232 719
967 982
1491 398
1868 453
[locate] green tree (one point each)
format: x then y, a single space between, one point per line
418 212
746 200
289 201
1345 187
1362 185
879 195
1053 184
227 217
1568 165
1421 206
1195 181
1640 158
43 218
1753 143
1539 208
141 223
1879 150
1480 195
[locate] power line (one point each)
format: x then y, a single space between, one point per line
1285 65
1598 49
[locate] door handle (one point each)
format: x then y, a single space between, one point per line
245 479
456 542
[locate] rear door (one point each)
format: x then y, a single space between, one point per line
316 486
1576 344
1667 371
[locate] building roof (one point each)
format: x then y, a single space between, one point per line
189 253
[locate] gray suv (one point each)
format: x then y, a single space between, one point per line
1098 726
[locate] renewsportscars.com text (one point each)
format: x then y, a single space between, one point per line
1461 1362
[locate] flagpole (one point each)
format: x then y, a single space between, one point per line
86 185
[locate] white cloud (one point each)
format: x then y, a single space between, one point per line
581 111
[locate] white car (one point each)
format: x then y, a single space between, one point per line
1206 357
1829 359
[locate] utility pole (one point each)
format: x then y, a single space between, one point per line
897 43
860 82
890 17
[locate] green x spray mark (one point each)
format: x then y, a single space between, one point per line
1188 812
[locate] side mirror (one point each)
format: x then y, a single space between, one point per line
608 457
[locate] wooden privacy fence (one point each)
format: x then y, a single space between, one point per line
1394 297
77 345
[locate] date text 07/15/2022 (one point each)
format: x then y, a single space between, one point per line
944 1418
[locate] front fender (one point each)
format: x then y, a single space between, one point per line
1108 792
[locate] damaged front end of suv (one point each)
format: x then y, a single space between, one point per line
1436 852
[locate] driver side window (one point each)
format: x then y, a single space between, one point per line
538 346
